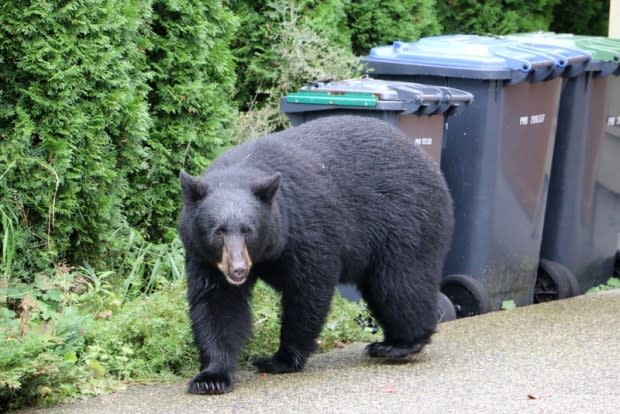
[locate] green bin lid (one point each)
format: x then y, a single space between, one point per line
374 94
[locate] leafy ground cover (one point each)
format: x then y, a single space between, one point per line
77 333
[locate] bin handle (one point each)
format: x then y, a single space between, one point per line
568 66
540 70
414 100
608 68
513 63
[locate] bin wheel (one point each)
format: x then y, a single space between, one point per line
555 281
467 294
445 309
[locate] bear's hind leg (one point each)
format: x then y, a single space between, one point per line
404 301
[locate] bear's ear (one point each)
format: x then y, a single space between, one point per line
193 189
265 187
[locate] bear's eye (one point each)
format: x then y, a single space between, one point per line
220 232
246 230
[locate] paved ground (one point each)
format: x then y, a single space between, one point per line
560 357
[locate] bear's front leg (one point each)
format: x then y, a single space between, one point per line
221 324
303 316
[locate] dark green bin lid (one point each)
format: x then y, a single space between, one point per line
327 97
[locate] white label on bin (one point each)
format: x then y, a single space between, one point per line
537 119
532 119
423 141
613 121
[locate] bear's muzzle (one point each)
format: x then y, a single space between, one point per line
235 263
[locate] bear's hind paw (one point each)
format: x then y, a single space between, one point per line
210 383
386 350
274 365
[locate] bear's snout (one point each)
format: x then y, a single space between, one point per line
235 263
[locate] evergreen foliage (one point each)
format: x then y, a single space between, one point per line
191 93
319 37
73 119
589 17
379 22
277 51
495 16
102 103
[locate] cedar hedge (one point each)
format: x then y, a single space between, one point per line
101 103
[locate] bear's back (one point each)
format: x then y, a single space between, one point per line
356 153
343 171
366 159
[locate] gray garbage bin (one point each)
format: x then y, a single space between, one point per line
496 155
582 222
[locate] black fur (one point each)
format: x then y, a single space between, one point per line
339 199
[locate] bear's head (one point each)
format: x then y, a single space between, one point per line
230 221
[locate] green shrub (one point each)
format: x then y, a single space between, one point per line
147 338
80 331
283 44
494 17
278 51
264 24
72 104
191 93
380 22
102 102
588 17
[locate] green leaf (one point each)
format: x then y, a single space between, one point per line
508 305
70 357
97 370
15 292
55 295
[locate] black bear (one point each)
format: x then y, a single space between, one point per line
340 199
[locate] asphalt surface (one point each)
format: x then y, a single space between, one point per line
558 357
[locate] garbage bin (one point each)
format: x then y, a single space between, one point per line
582 222
418 110
496 156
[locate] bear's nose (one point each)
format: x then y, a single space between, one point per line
239 271
237 274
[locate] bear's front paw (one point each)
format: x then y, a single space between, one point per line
211 383
278 365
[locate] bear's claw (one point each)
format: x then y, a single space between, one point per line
210 383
